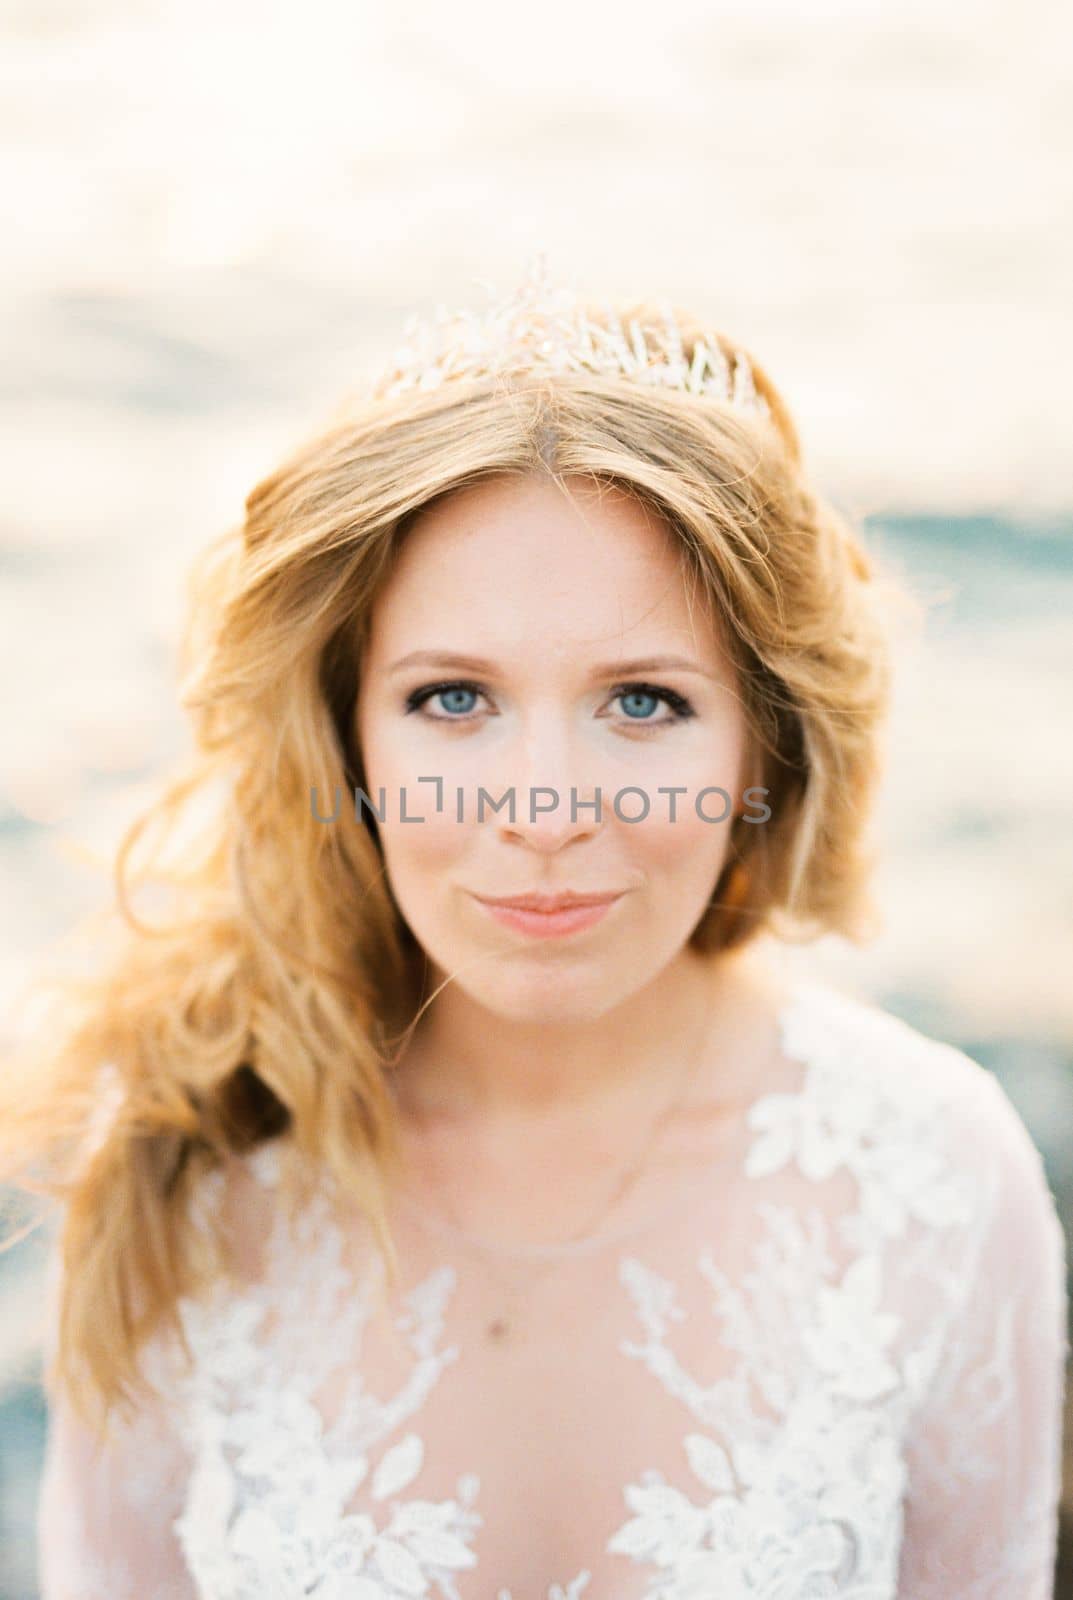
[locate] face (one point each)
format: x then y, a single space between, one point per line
543 643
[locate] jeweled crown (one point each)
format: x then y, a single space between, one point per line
546 327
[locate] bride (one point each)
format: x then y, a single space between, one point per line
461 1196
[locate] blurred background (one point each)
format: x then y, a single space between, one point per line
218 217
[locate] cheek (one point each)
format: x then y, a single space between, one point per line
686 836
416 852
703 760
400 750
688 850
423 860
420 853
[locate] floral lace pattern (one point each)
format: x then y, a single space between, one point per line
885 1420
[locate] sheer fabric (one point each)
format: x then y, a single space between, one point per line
839 1371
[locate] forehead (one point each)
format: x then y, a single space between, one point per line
525 562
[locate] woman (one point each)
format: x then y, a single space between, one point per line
461 1195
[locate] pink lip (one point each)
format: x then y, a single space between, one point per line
548 916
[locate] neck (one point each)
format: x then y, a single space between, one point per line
464 1063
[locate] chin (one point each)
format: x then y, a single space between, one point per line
554 993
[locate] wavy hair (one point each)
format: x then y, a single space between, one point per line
263 996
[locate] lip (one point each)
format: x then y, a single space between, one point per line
549 916
565 900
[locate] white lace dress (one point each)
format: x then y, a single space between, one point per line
837 1372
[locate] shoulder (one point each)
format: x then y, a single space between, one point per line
928 1102
841 1033
237 1205
896 1063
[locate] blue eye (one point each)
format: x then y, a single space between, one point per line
450 698
638 700
638 703
455 698
458 702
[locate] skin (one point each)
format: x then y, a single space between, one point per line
538 1038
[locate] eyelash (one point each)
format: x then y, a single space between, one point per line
680 708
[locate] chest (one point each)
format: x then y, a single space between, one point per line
677 1422
720 1405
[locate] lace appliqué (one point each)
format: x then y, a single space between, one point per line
265 1512
798 1455
796 1496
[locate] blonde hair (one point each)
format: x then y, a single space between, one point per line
265 1001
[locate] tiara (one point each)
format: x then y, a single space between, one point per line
546 327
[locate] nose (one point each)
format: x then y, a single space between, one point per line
554 797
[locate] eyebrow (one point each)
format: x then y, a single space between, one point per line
465 663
